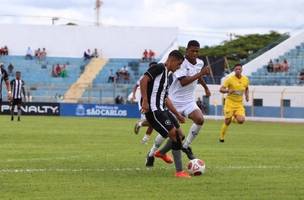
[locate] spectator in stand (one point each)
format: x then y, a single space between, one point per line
29 54
285 66
4 51
124 74
43 54
111 77
10 69
95 53
87 55
277 66
57 70
145 56
270 66
37 53
301 77
63 71
151 55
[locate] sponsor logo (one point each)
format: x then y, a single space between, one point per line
168 122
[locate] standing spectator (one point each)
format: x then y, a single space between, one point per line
270 66
277 66
29 54
5 51
151 55
111 77
145 56
43 54
10 69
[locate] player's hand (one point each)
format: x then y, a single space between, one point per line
208 93
181 119
231 91
132 99
144 106
205 70
9 96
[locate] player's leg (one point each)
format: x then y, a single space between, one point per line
12 109
195 114
228 113
240 115
19 108
140 123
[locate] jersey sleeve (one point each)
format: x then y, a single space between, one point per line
182 72
154 71
226 82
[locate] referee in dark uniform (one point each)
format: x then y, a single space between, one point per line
17 91
4 78
154 90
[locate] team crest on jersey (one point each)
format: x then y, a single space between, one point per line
168 122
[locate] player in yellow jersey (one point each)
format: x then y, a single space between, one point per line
235 87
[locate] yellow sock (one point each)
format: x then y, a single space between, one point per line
223 131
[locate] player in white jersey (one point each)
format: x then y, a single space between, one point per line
181 93
136 96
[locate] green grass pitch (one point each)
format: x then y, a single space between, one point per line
94 158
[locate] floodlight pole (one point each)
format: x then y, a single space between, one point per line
98 5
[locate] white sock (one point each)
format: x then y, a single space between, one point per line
140 123
145 139
193 132
158 141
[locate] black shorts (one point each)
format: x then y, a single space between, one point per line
162 121
16 102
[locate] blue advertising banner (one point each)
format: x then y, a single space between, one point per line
99 110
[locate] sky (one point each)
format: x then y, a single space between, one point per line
209 21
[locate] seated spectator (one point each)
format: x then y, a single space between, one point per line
124 74
151 55
111 77
57 70
10 69
301 77
87 55
270 66
285 66
37 53
63 71
145 56
29 54
95 53
4 51
277 66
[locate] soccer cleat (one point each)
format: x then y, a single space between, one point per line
182 174
221 140
137 127
149 161
188 152
164 157
12 118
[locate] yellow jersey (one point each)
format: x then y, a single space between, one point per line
239 85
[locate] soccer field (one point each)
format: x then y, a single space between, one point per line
94 158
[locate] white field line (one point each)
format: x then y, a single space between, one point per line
41 159
42 170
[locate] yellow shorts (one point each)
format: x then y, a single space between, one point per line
233 109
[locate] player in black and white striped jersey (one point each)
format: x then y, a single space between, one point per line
18 90
4 77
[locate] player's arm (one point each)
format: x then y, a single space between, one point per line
186 80
204 85
144 95
23 90
7 84
134 92
171 107
247 94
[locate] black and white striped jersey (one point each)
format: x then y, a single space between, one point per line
3 77
17 88
157 90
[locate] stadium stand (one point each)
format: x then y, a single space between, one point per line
40 84
104 92
295 58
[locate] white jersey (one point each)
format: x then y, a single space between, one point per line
181 95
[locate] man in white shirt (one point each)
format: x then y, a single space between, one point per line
181 93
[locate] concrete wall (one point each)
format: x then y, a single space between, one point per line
271 95
71 41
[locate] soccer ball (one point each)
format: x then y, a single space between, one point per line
196 167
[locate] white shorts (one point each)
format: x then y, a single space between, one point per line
186 109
